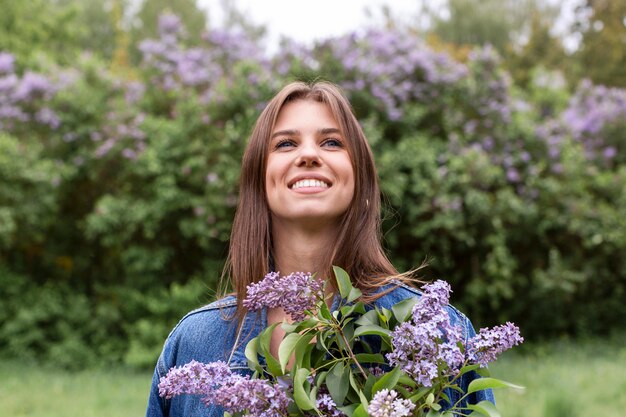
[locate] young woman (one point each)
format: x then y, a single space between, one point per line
308 199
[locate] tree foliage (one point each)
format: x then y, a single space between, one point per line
602 53
118 192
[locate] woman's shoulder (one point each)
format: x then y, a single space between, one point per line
208 317
203 334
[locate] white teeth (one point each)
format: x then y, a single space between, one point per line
309 183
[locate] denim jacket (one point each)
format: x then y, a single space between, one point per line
207 335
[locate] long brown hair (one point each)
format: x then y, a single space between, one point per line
357 247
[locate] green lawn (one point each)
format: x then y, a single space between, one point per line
561 380
30 391
565 380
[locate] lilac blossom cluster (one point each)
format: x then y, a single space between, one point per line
327 406
296 293
489 343
428 347
386 403
26 98
487 111
219 386
591 111
595 118
175 68
428 344
395 66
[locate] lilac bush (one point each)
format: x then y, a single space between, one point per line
143 161
395 66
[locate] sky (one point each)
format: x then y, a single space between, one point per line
308 21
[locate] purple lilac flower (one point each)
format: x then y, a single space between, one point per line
610 152
489 343
386 404
219 386
256 396
194 378
428 345
327 406
31 86
48 117
6 62
169 23
295 293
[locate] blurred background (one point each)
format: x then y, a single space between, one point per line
498 127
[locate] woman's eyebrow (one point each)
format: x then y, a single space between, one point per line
286 132
329 131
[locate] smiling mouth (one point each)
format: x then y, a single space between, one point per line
309 184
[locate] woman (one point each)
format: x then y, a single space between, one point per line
308 199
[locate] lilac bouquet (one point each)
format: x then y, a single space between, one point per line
353 362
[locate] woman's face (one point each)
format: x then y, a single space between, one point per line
309 176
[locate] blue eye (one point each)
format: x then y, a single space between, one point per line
333 142
284 143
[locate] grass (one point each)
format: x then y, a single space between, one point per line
565 379
562 379
30 391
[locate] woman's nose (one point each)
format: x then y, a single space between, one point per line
308 155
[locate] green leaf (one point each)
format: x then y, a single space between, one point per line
337 382
371 317
300 395
303 354
251 352
407 380
419 393
368 358
468 368
300 325
369 384
489 383
324 312
485 408
372 329
355 293
343 282
360 411
388 381
352 308
348 410
288 345
402 310
273 366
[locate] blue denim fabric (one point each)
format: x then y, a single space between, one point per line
207 335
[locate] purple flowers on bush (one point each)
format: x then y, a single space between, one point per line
295 293
219 386
24 99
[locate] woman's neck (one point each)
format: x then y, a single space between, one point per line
300 250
